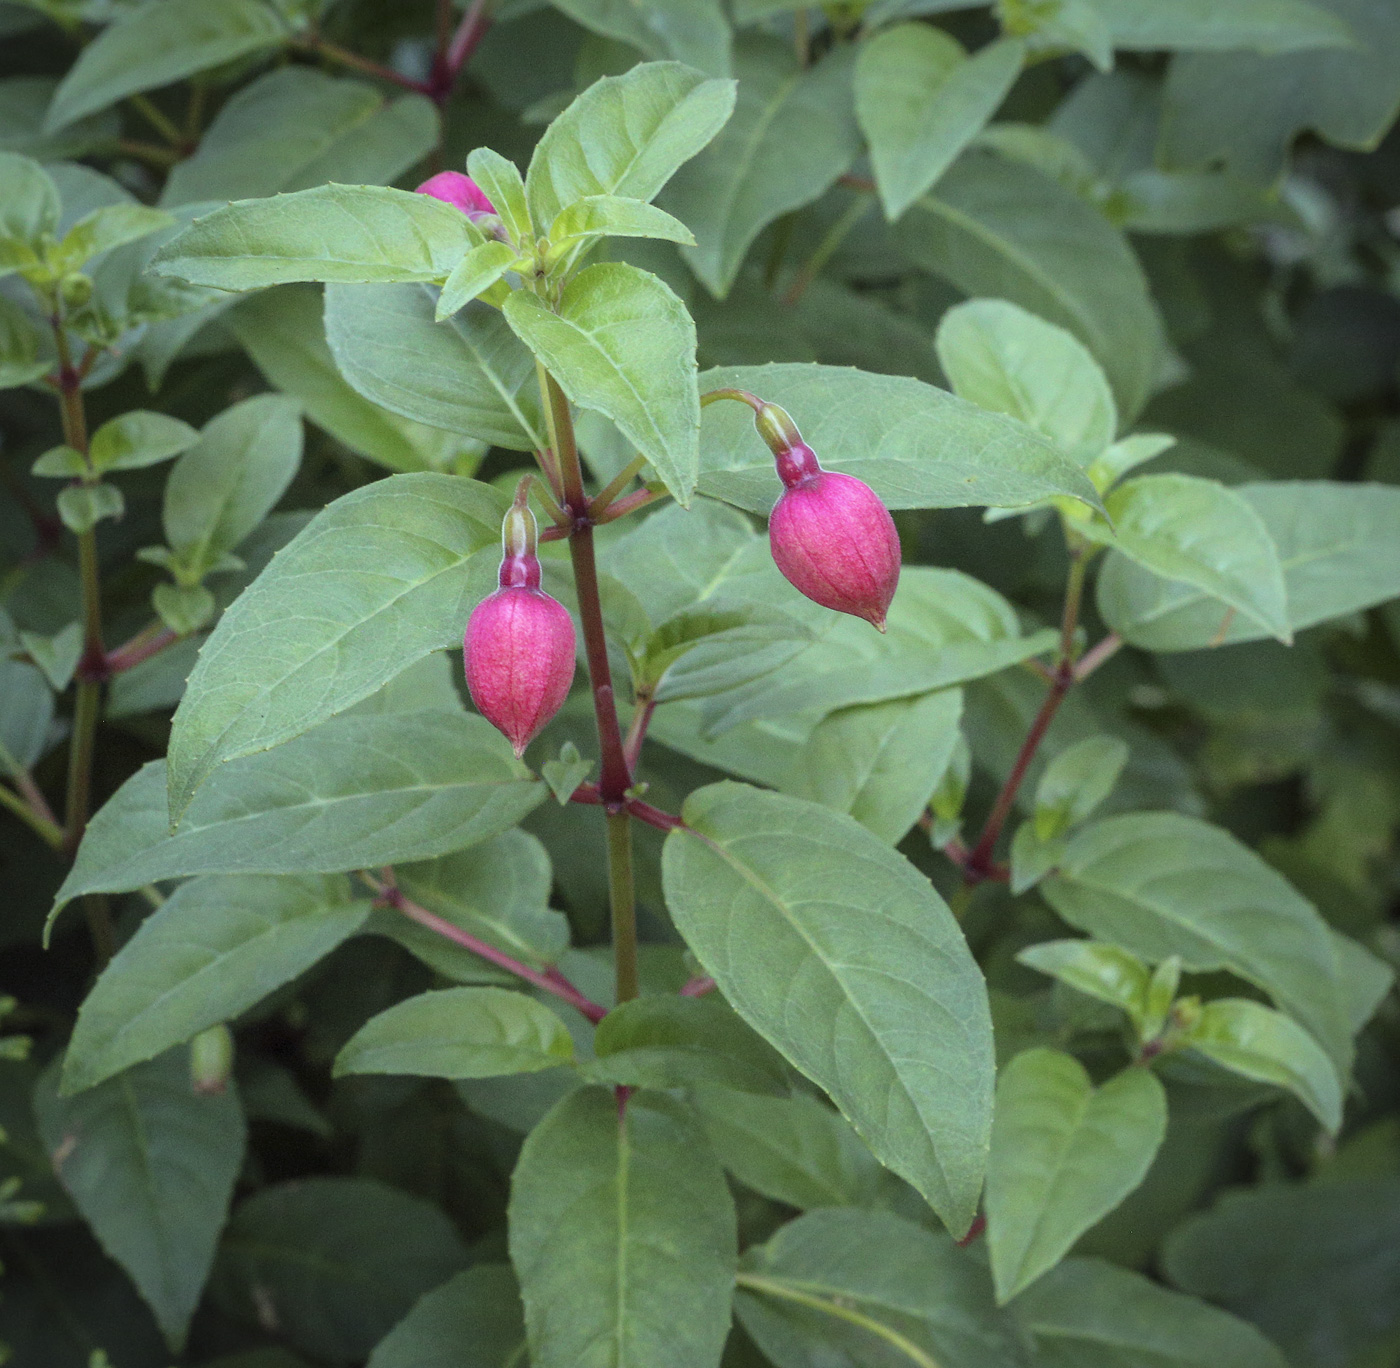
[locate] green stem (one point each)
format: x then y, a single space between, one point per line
623 902
773 1287
163 124
51 832
826 249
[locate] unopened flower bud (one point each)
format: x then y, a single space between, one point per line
830 535
453 188
519 645
211 1060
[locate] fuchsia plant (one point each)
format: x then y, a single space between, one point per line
519 644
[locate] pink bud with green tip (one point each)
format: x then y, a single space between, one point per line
830 535
519 645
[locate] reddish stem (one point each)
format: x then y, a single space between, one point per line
973 1231
698 987
591 795
151 640
549 980
475 22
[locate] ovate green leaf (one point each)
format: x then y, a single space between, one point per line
345 233
999 229
622 1234
354 793
625 135
1091 1314
894 1024
622 344
1162 884
916 446
459 1033
474 1320
397 553
470 375
1267 1046
150 1163
921 100
159 43
336 1262
214 948
793 132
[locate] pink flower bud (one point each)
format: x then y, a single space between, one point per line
519 644
830 535
452 187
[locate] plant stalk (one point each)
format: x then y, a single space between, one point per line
616 777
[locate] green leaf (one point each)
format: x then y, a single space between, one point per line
503 185
345 233
943 628
24 100
57 655
474 1320
865 1287
297 127
356 792
1203 534
1000 357
914 445
1338 544
29 204
1310 1264
1100 970
398 553
111 226
795 1150
622 1234
216 947
1032 857
793 133
20 361
920 101
1127 454
904 1044
677 1042
184 608
716 646
1244 110
1265 26
625 135
159 43
1161 884
282 330
998 229
612 216
470 375
499 891
26 714
694 31
623 345
459 1033
1091 1314
150 1164
480 269
1064 1153
139 439
880 763
1076 781
565 774
335 1263
1251 1039
82 507
231 478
